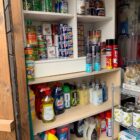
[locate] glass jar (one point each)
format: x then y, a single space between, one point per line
127 117
118 114
136 117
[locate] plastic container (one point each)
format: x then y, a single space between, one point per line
67 96
109 124
47 106
58 96
79 128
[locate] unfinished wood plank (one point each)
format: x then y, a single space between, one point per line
6 104
6 125
17 19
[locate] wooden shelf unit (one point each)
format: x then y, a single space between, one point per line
69 76
46 16
91 19
71 115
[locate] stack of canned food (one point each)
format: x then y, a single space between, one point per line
59 6
129 115
47 41
91 7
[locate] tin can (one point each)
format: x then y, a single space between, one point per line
30 69
42 53
136 117
29 52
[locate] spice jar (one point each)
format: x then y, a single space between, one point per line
118 114
127 117
136 117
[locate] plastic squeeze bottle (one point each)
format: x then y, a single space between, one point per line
67 97
47 107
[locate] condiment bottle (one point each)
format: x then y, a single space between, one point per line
67 94
58 100
91 92
47 107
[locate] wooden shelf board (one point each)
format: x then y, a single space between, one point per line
71 115
6 125
90 19
69 76
46 16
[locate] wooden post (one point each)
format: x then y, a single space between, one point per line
17 20
6 102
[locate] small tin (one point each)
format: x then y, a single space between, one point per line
30 69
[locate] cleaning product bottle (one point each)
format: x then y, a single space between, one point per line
109 124
91 92
98 97
58 99
92 133
104 91
86 128
74 95
79 128
67 98
47 107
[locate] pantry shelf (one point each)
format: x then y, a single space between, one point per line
69 76
71 115
46 16
90 19
102 137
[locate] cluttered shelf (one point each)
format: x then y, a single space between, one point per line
71 115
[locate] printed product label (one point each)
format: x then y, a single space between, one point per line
109 128
67 100
118 114
127 119
59 103
48 113
136 120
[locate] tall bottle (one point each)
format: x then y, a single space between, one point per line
67 96
58 100
98 97
104 91
89 59
91 92
74 95
47 107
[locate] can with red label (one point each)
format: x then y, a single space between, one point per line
115 54
109 54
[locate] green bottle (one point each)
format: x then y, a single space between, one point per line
74 95
67 96
37 5
48 5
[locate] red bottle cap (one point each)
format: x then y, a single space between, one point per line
108 114
47 91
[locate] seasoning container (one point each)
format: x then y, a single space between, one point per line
127 117
48 107
30 69
118 114
130 105
136 117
